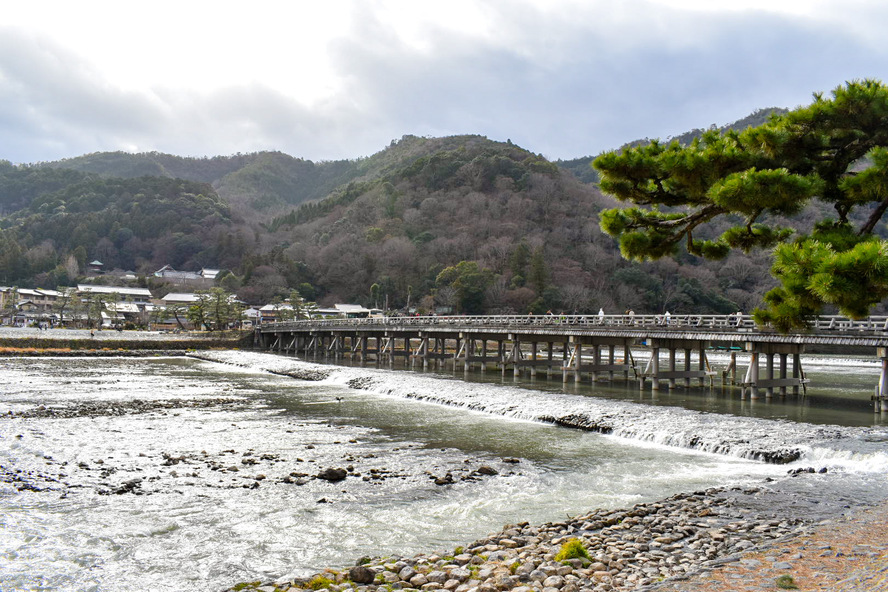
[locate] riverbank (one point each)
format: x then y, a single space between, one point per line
718 540
16 341
849 553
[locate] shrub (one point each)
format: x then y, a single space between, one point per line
785 582
572 549
319 582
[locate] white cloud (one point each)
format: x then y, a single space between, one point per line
340 80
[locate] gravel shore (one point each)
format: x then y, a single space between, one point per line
690 541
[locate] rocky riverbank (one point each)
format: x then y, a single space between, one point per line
641 548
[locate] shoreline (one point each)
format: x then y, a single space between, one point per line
87 353
83 342
710 540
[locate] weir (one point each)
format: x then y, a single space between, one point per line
589 347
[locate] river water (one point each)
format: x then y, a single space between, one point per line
173 473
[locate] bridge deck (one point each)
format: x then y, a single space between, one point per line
729 329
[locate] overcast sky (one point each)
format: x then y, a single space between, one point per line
326 80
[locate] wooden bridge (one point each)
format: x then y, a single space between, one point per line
596 346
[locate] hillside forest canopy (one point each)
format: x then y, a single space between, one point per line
462 223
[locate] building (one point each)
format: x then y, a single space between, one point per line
24 306
173 298
129 305
252 317
202 279
137 295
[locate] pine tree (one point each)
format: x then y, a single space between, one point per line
834 150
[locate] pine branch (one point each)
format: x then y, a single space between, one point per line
874 218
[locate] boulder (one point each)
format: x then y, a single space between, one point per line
437 576
333 475
406 573
361 575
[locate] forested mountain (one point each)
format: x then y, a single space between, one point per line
461 222
255 185
56 220
473 224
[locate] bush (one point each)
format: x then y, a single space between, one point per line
319 582
572 549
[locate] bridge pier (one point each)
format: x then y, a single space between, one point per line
572 357
671 375
753 382
881 403
575 335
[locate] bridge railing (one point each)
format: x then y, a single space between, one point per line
732 323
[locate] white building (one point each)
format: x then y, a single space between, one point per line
138 295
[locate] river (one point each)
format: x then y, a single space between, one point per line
175 473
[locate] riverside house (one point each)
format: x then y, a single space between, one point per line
24 306
124 304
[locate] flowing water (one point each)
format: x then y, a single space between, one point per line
187 474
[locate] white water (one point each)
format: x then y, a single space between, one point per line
744 437
196 528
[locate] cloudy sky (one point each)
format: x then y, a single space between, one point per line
340 79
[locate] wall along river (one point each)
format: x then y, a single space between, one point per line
173 473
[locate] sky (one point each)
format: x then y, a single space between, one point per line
341 79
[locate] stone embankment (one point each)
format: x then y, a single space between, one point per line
634 549
83 342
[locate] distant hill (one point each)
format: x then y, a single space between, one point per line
581 168
752 120
259 184
467 223
457 223
58 220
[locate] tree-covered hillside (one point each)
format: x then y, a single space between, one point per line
477 225
257 185
136 224
459 222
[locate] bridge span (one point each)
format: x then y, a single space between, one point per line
593 346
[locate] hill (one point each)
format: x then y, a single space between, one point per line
259 184
470 224
457 223
58 220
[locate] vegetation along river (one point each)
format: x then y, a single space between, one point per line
179 473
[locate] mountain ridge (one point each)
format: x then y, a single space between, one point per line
458 222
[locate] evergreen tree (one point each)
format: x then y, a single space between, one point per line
834 150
